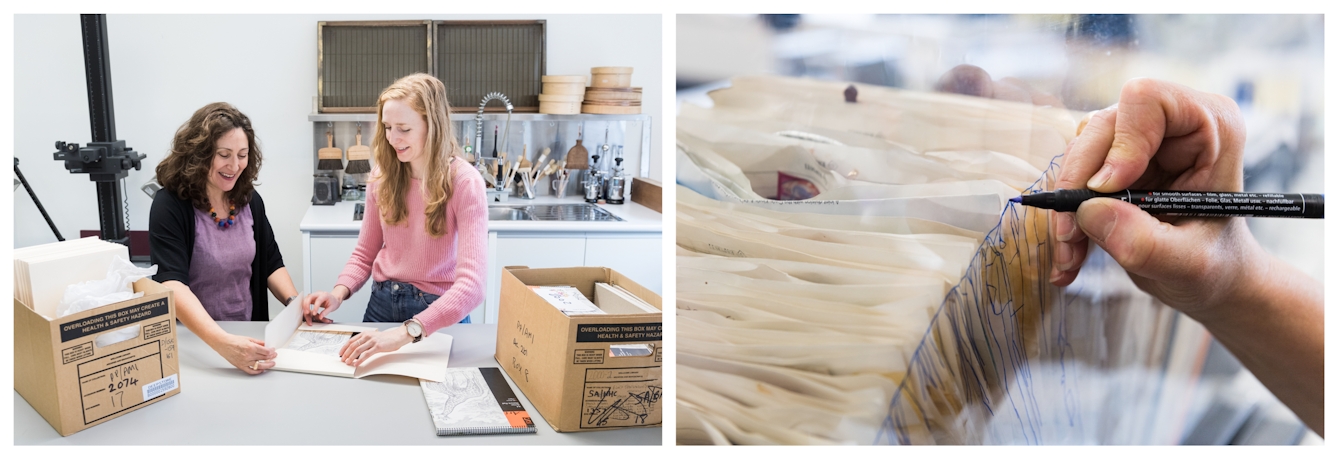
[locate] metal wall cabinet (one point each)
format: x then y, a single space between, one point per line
355 60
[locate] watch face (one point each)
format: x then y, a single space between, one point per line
415 329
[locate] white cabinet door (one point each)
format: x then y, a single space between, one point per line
328 256
543 251
635 256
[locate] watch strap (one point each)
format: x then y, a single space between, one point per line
419 337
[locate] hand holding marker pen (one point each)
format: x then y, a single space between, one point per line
1189 203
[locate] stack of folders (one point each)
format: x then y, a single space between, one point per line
817 239
616 300
42 272
567 299
475 401
609 299
856 267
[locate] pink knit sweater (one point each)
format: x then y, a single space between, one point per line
452 265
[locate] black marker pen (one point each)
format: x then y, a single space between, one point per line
1189 203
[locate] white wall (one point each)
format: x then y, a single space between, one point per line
166 67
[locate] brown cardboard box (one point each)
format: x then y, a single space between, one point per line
75 381
564 364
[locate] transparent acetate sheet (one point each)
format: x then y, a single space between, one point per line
853 274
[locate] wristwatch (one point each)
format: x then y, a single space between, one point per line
415 329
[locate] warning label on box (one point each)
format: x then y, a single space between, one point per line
588 357
157 329
604 333
113 383
621 397
80 328
76 353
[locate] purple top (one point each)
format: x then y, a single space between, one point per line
220 268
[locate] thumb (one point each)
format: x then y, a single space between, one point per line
1136 240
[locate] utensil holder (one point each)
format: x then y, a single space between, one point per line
526 187
560 187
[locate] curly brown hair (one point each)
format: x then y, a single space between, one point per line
185 170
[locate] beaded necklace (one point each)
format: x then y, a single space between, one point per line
224 224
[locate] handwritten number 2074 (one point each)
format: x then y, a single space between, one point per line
122 384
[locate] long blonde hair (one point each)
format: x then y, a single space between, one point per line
427 96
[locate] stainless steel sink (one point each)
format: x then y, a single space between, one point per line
507 213
583 212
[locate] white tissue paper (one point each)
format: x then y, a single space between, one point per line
116 287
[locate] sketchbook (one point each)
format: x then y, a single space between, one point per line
475 401
315 349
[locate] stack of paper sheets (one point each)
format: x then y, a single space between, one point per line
42 272
817 239
567 299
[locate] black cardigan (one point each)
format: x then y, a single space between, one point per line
172 242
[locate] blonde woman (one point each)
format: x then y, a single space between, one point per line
426 249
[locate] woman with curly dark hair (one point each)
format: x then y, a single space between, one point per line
210 237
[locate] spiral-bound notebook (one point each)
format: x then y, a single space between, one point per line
475 401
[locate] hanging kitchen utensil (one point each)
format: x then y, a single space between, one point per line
577 156
331 158
359 156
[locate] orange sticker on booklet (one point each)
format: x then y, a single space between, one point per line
519 419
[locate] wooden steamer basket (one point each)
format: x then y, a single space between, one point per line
562 94
563 84
611 77
613 94
625 107
559 104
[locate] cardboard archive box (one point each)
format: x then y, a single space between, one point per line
567 366
75 373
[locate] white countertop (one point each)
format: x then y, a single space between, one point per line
219 405
637 218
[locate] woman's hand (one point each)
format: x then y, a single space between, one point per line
246 353
1161 136
367 344
319 304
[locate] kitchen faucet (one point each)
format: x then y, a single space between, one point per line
478 122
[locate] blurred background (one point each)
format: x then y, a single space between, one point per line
1271 65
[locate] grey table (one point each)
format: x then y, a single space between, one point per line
221 405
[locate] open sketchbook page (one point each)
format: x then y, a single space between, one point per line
315 349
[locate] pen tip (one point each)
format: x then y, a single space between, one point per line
1017 200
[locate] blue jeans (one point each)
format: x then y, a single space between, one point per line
397 302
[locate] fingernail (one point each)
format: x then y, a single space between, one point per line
1100 178
1064 226
1063 256
1099 221
1055 274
